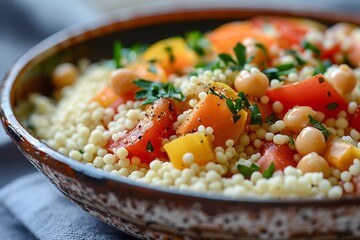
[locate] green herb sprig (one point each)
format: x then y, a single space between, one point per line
239 62
319 126
197 42
247 171
152 91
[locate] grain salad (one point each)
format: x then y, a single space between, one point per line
267 107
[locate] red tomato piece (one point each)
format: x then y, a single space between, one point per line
315 92
355 121
281 155
145 140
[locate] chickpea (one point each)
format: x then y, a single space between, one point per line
64 74
313 162
298 117
343 79
253 83
121 81
310 140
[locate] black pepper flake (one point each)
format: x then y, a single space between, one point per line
321 80
171 107
329 93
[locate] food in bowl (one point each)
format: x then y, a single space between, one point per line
266 107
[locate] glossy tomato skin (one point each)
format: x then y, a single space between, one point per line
315 92
355 121
281 155
145 140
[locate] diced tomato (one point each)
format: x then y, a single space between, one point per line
145 140
315 92
281 155
122 100
290 31
355 121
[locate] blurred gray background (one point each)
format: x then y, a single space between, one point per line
23 23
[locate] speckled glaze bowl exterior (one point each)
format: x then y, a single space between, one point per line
147 211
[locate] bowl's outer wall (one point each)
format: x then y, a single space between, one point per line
146 211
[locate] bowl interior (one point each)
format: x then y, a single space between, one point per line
95 40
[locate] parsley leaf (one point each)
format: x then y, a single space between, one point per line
117 49
226 58
279 72
262 47
197 42
244 99
240 53
247 171
295 54
149 147
322 66
308 45
271 119
291 141
319 126
255 115
269 171
332 106
152 91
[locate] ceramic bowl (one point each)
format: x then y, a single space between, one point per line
148 211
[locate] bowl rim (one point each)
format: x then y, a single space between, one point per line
46 47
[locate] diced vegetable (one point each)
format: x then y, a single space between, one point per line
197 146
226 37
172 54
340 154
145 140
106 96
281 155
212 111
315 92
355 121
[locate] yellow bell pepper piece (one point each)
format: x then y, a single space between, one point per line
224 89
198 144
340 154
172 54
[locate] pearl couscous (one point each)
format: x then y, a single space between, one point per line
267 107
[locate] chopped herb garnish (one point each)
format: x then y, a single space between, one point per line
311 47
197 42
212 91
295 54
319 126
236 118
271 119
152 68
262 47
269 171
231 106
332 106
240 53
117 49
152 91
247 171
255 115
322 66
291 141
170 53
244 99
226 58
149 147
279 72
81 151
